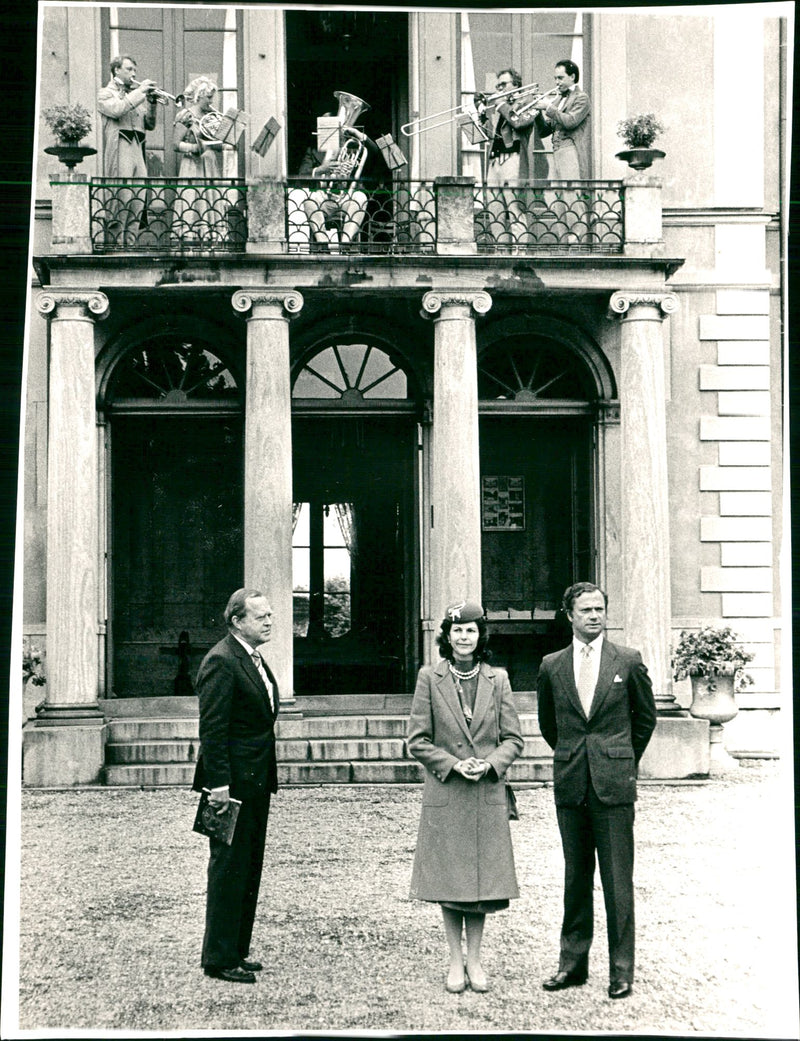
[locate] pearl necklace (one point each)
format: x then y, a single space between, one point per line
458 677
465 675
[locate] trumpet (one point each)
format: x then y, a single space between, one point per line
458 112
525 109
161 97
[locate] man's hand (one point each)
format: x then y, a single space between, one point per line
218 800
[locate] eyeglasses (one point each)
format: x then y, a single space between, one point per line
504 85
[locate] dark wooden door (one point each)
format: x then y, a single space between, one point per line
177 546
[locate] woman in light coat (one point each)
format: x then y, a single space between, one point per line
465 731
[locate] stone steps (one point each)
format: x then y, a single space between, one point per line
311 750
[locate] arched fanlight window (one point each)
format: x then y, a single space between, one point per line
527 370
167 372
351 373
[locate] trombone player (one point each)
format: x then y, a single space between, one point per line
509 153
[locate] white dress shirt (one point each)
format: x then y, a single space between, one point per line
594 658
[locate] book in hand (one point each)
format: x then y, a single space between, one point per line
219 826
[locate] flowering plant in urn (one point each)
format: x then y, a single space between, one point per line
711 652
639 131
69 123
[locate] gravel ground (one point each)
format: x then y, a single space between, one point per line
112 903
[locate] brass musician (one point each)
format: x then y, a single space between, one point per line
127 109
342 169
509 154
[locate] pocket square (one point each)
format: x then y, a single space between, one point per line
618 679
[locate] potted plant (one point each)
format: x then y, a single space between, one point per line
714 660
639 133
70 125
32 677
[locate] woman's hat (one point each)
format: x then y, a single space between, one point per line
464 611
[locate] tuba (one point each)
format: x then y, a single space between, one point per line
351 155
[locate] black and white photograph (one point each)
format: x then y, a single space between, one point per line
401 638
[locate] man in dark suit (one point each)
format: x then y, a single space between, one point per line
238 705
597 712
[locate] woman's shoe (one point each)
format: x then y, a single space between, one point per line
479 985
457 985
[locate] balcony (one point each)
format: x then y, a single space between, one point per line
451 216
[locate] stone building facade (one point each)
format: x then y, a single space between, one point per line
441 409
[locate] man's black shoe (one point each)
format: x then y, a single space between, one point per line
562 980
234 975
250 966
619 989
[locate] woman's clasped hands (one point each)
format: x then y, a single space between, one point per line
472 769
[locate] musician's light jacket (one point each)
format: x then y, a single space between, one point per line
121 109
569 123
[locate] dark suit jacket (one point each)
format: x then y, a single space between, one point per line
606 747
237 725
510 127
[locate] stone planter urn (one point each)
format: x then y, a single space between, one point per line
70 154
713 696
640 158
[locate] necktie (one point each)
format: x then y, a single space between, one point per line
262 672
586 679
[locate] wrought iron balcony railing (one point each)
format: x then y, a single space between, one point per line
183 216
400 219
550 217
167 214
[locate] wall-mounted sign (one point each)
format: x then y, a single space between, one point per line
503 503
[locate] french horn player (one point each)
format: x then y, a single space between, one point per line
345 167
197 213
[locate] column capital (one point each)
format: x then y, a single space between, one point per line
460 301
658 304
73 304
268 303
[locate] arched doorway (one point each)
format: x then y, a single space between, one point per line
539 394
174 414
355 557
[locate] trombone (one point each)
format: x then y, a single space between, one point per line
450 115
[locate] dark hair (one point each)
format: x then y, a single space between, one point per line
482 652
237 605
571 594
569 67
516 79
116 63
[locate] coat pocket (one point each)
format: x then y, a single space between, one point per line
619 753
495 793
563 754
435 792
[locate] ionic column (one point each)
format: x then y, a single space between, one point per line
65 744
647 609
268 466
455 520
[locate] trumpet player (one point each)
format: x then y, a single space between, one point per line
127 110
509 155
567 119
